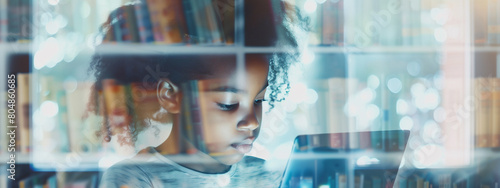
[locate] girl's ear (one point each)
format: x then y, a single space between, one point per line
169 96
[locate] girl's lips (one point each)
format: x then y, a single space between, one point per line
242 148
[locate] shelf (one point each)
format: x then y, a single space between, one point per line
150 49
15 47
487 49
154 49
20 158
387 49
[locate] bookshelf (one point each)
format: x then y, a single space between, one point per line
411 76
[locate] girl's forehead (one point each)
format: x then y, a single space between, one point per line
221 70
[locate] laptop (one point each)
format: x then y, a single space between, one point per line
354 159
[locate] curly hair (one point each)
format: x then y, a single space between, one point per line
267 24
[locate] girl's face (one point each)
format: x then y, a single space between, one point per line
221 116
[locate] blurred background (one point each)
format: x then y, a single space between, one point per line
428 66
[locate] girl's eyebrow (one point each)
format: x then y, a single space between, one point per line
234 90
228 89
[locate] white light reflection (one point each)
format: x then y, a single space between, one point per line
431 98
428 155
312 96
394 85
402 107
52 27
413 68
298 93
440 34
53 2
310 6
440 15
417 89
367 95
70 84
47 124
365 160
430 132
282 152
85 9
373 82
372 111
439 114
223 180
406 123
49 108
49 54
108 161
307 57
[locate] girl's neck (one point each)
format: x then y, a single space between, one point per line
177 145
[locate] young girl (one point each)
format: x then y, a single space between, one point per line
213 103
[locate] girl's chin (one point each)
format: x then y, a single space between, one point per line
229 159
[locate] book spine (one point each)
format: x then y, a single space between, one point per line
336 99
144 23
365 140
3 20
117 111
337 141
497 23
353 139
427 32
480 22
377 182
406 35
131 23
199 21
115 25
155 10
14 20
416 34
61 130
126 33
492 25
215 24
81 127
329 21
339 32
192 35
495 111
197 116
168 21
187 122
368 24
483 113
23 108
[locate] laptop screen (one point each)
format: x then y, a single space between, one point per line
354 159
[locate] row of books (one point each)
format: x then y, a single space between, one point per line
20 121
316 176
327 23
340 180
15 20
486 22
364 23
487 110
27 178
169 22
385 141
79 118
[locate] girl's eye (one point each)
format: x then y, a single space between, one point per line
227 107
